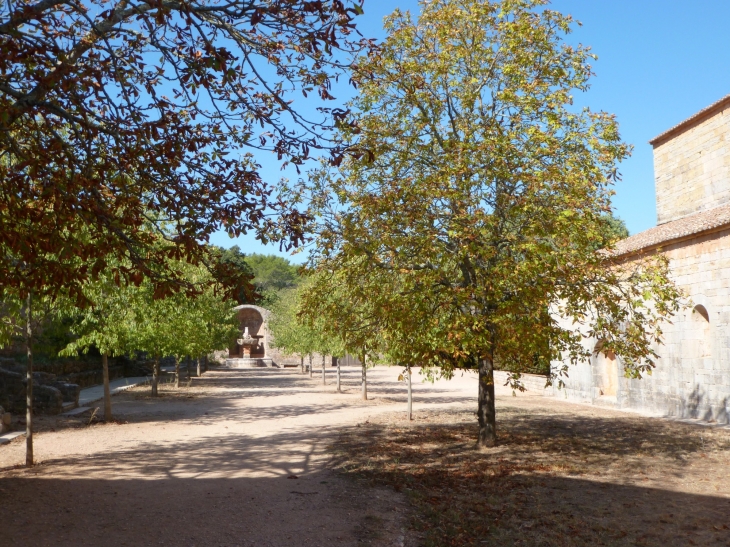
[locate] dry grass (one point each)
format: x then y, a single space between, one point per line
561 476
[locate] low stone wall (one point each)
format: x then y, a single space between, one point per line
84 372
534 383
48 394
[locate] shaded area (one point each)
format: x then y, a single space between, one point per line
318 510
558 478
239 458
234 489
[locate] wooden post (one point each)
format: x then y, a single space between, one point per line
107 393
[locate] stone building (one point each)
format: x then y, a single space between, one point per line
692 377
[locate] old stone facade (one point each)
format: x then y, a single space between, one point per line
692 377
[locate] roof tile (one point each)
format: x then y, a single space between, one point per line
677 229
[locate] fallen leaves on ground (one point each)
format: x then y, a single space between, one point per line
556 478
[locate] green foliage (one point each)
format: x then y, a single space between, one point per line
273 273
236 260
270 274
295 331
467 230
613 229
130 318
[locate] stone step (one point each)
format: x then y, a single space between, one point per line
76 411
69 406
5 438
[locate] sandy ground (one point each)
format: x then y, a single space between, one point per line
238 458
244 458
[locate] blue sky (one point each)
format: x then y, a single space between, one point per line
659 62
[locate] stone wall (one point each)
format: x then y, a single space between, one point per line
692 376
49 395
692 168
534 383
85 371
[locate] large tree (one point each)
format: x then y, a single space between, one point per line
115 114
472 222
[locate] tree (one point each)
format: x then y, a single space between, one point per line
273 276
273 273
204 323
117 114
235 259
615 229
21 316
344 315
296 331
470 226
105 325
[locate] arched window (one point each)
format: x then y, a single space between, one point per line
701 329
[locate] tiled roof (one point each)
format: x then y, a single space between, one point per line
681 126
677 229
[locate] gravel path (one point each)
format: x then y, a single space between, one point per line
239 458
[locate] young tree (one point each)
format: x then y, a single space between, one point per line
105 325
471 223
297 331
21 317
287 332
207 322
112 109
346 317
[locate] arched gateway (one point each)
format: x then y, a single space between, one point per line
252 347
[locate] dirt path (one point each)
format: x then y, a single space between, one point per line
243 458
213 464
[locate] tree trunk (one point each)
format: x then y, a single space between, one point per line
177 373
205 363
338 376
364 389
324 380
310 366
197 362
29 380
486 409
155 376
107 394
301 363
187 364
410 392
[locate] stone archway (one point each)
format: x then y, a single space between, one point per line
253 318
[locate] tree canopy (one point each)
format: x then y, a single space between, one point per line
472 223
117 114
273 273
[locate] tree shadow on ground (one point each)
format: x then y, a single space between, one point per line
554 480
247 395
227 490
